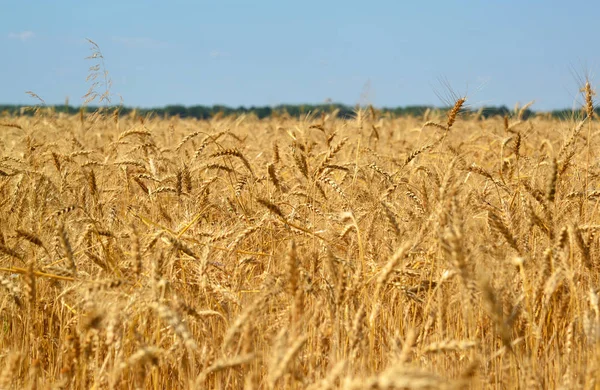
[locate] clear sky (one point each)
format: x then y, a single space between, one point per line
264 52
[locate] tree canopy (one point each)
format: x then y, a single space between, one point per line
293 110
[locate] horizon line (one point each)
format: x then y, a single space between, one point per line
5 106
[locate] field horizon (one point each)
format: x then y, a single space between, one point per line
343 111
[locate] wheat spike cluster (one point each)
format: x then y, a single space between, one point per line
375 252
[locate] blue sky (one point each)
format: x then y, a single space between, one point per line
386 53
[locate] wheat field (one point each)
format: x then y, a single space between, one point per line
446 251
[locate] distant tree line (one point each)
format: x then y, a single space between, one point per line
293 110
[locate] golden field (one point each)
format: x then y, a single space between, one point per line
315 253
